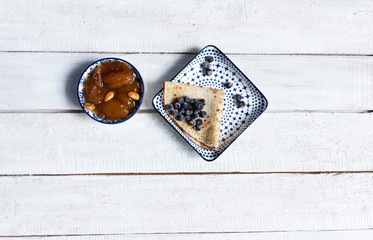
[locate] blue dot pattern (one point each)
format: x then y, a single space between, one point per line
234 120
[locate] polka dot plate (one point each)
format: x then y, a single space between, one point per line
234 120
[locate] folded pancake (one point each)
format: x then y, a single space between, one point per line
209 136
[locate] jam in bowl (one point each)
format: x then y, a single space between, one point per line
111 90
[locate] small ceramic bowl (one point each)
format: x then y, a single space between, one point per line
84 77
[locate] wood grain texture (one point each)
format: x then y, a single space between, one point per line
303 235
315 27
140 180
49 143
47 81
174 204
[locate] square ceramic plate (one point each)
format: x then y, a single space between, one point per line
234 120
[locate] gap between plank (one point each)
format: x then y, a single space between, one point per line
59 111
153 111
177 233
179 173
195 52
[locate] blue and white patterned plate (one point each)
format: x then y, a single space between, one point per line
234 120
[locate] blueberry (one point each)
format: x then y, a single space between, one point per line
171 112
199 106
202 114
228 84
174 112
170 107
197 128
187 118
177 105
206 65
187 99
199 122
202 100
193 101
184 105
180 117
181 111
238 97
194 115
196 111
188 112
180 100
208 72
192 122
209 58
241 104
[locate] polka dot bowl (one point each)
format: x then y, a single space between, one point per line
234 120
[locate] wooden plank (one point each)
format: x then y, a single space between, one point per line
163 26
48 81
184 203
304 235
45 143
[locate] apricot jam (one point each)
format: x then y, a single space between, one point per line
112 91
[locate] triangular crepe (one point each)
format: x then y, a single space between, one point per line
209 136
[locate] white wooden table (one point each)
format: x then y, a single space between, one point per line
303 170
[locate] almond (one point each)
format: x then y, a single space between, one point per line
134 95
89 106
109 96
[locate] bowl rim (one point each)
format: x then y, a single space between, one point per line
82 81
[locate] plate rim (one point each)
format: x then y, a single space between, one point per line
255 87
